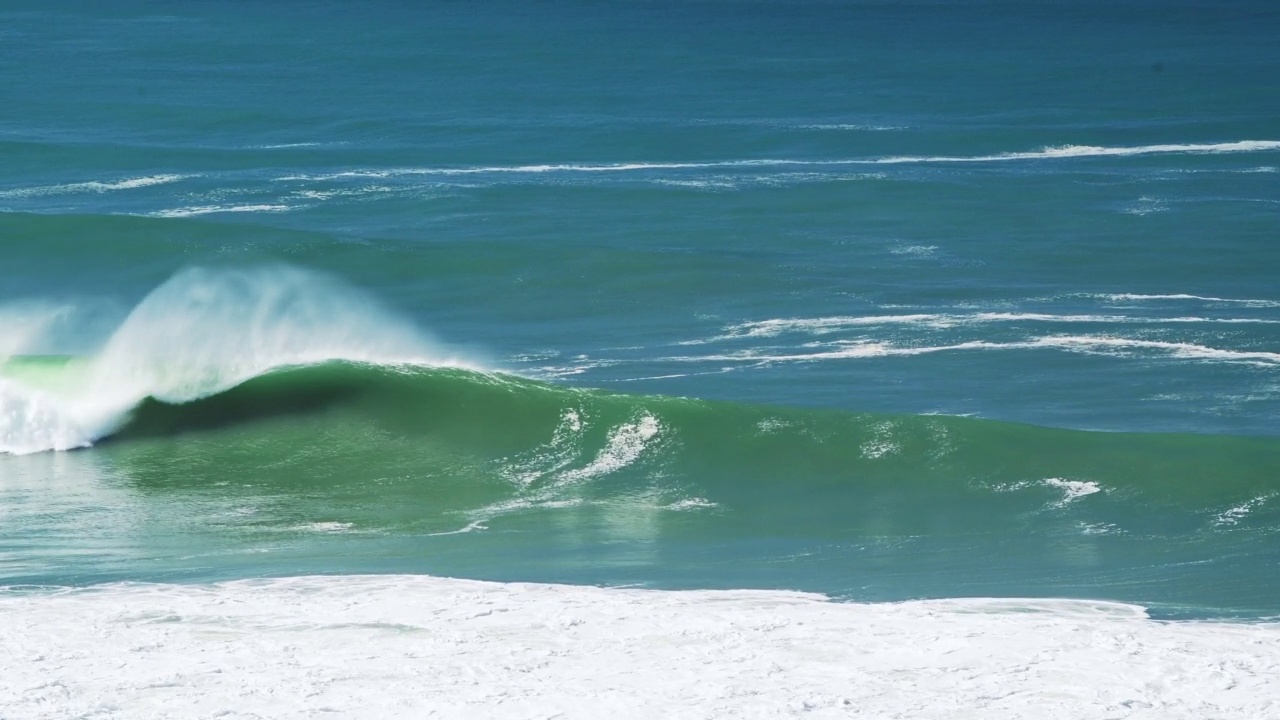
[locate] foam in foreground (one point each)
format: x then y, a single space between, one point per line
411 646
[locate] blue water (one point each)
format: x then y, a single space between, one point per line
846 213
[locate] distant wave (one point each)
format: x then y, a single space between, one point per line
1248 302
1048 153
823 325
197 210
93 186
1063 152
1088 344
1082 151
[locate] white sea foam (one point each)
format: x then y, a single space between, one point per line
1136 297
1081 151
557 454
1233 515
1048 153
824 325
1086 344
625 445
546 476
881 442
288 146
415 646
1072 490
32 421
196 210
849 126
1189 351
93 186
915 250
1145 206
695 503
332 528
200 333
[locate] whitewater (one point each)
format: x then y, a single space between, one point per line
402 646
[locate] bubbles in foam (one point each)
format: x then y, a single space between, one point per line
626 443
31 421
547 475
1234 515
1072 490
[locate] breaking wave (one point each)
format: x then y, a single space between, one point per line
202 332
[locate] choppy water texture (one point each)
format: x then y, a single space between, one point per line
883 301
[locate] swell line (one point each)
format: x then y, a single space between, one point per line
817 326
1047 153
1071 343
93 186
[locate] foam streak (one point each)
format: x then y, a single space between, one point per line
1048 153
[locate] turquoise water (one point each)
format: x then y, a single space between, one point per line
879 300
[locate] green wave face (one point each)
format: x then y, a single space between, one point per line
356 468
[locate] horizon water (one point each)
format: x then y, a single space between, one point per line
735 316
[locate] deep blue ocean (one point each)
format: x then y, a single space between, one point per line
884 300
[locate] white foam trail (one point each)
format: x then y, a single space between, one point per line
93 186
1048 153
564 447
415 646
203 332
1081 151
915 250
1119 297
825 325
1084 343
1072 490
694 503
545 474
625 445
1233 516
1180 350
210 209
848 126
286 146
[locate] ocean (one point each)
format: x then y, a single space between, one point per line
712 358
